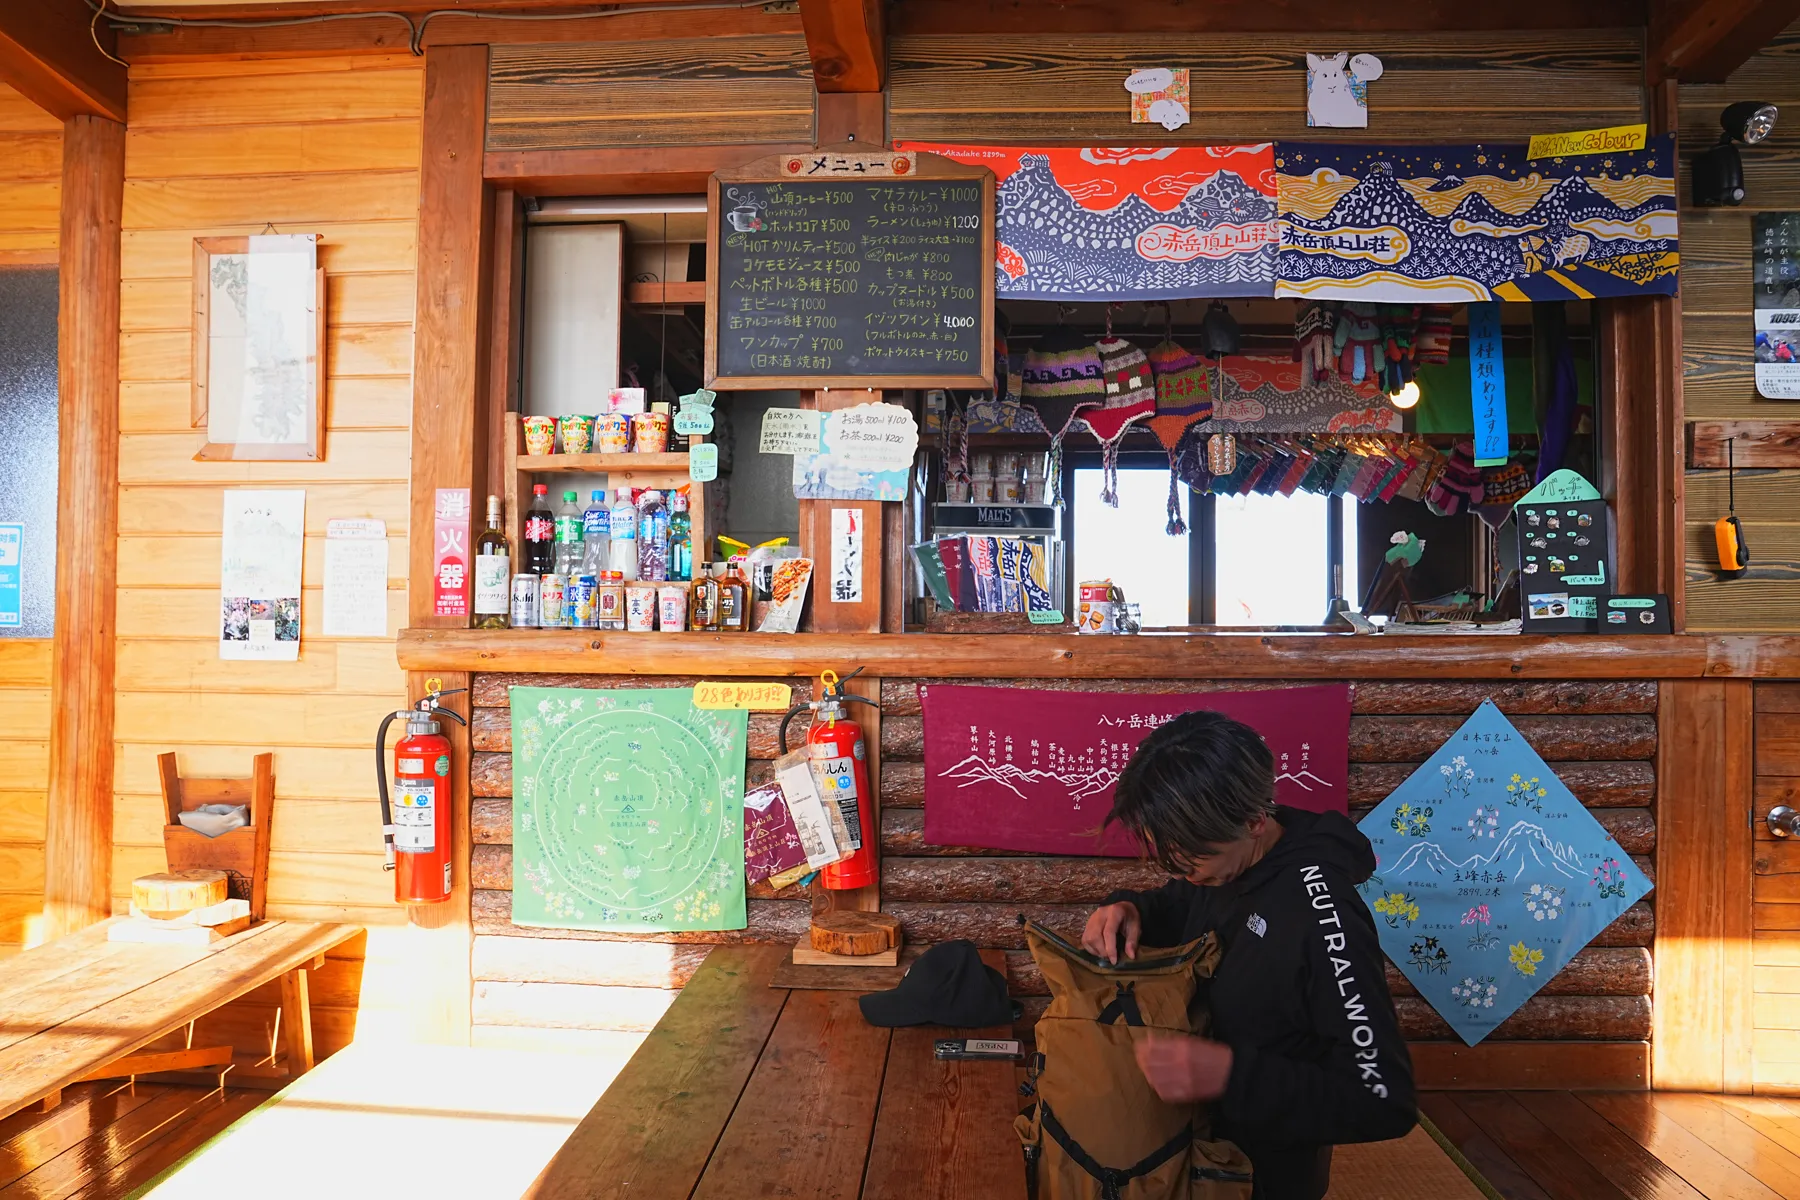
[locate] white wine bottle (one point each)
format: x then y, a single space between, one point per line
493 573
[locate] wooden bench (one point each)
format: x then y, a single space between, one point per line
81 1007
744 1089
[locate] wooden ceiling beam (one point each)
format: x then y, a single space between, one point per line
1297 18
847 42
49 54
1705 42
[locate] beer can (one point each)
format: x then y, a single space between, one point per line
578 601
552 599
524 601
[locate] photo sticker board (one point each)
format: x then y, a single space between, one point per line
629 810
1775 262
851 280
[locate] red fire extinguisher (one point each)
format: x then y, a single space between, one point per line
416 827
840 762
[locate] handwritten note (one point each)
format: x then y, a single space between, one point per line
259 574
703 462
790 431
846 556
757 697
356 577
1560 486
1617 139
872 437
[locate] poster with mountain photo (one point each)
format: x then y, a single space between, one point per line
1490 875
1033 768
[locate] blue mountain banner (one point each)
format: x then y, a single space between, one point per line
1457 224
1490 875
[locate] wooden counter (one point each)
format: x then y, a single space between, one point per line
1072 656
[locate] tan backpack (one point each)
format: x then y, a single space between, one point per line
1098 1131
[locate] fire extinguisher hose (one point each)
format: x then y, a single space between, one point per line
381 784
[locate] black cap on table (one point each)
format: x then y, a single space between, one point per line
948 985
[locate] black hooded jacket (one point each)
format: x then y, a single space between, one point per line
1301 998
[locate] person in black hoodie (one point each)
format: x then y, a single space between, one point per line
1305 1050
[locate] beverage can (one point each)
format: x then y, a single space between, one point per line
609 602
612 433
552 598
581 600
1094 612
672 598
524 601
640 609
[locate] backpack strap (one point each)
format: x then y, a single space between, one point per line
1123 1005
1111 1180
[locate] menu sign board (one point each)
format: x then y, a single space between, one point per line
851 281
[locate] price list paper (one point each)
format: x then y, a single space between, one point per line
836 283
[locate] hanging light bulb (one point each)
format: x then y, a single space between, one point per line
1407 396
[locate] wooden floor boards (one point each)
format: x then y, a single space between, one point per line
1625 1145
107 1138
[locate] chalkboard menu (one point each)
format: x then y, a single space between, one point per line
851 280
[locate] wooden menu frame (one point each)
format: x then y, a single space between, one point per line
782 168
311 450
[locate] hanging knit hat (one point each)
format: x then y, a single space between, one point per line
1431 346
1459 486
1505 485
1130 397
1315 330
1061 376
1183 392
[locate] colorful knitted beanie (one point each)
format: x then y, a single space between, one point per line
1183 392
1061 376
1130 393
1432 343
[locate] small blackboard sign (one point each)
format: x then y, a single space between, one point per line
852 269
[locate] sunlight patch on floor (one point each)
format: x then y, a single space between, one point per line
404 1120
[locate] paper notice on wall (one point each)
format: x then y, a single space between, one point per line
863 453
1775 271
1487 385
356 575
790 431
846 556
261 553
12 547
821 826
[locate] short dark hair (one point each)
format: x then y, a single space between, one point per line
1197 781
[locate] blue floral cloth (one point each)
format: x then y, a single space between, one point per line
1490 875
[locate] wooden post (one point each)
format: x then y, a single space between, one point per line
1703 1015
449 449
296 1021
78 832
833 616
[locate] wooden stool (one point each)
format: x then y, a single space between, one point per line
242 853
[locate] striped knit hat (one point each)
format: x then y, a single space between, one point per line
1130 393
1183 392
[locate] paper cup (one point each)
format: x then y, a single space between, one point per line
640 608
612 433
673 600
576 433
540 435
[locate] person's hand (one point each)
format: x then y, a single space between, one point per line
1109 925
1182 1069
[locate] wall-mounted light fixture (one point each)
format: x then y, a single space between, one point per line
1407 396
1719 172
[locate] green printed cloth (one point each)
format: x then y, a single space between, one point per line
628 810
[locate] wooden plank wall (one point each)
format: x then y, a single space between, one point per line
30 203
307 145
1776 890
683 92
1718 377
1600 738
1438 87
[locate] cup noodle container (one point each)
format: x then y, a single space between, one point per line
672 600
540 435
640 608
575 433
1094 611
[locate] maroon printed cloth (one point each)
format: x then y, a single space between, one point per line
1029 769
771 843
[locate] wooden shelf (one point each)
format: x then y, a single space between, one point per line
603 464
651 294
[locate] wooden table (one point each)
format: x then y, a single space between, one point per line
744 1089
78 1005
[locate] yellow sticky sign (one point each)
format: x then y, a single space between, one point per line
757 697
1617 139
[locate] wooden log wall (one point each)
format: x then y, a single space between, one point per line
685 92
30 206
1775 889
1718 376
1600 737
216 148
1438 87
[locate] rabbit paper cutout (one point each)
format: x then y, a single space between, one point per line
1336 93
